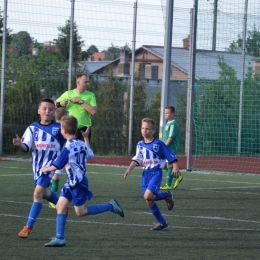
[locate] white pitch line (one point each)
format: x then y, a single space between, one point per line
148 213
134 224
203 217
15 175
225 191
225 188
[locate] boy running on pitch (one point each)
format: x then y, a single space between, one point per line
73 157
44 138
152 153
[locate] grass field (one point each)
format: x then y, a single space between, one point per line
215 217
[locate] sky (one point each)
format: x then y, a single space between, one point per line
102 23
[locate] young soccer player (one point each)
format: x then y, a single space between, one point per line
44 138
59 113
171 139
151 153
74 156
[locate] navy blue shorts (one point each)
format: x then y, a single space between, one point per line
151 180
79 194
43 180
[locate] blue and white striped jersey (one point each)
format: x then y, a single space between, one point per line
74 156
153 155
45 141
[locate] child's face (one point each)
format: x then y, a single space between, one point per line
147 130
46 111
168 114
62 130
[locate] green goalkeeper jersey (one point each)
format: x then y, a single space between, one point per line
171 130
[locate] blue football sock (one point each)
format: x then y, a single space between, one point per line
34 213
157 214
99 208
161 195
53 198
60 225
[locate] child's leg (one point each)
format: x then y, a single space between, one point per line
112 206
36 206
81 195
53 198
54 188
98 208
34 213
169 176
59 240
61 207
55 183
157 214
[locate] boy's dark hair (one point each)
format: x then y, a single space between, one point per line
149 121
48 100
70 124
171 108
60 112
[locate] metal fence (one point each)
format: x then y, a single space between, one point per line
224 106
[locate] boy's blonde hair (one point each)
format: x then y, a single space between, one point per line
149 121
60 112
69 124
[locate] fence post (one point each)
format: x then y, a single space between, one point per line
3 78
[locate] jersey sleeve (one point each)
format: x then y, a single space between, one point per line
28 138
93 101
173 131
90 153
62 159
138 156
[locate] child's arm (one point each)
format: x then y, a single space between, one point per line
175 170
85 135
49 169
169 141
130 168
17 142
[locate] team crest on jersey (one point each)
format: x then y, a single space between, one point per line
55 130
156 147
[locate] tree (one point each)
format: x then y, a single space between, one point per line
92 49
21 44
29 79
63 43
108 123
217 111
252 43
86 54
113 52
8 31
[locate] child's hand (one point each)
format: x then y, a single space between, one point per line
175 170
86 133
17 141
126 173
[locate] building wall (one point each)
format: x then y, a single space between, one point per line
145 57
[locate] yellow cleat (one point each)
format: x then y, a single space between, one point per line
52 206
177 182
166 187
